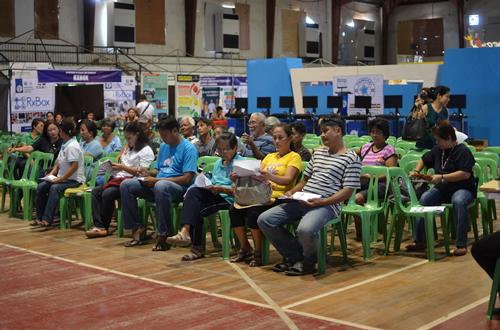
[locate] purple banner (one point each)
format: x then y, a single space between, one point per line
78 76
222 81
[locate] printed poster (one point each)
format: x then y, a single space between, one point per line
362 85
210 100
155 87
188 96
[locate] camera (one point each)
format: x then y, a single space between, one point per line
424 96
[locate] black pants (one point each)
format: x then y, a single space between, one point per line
237 216
103 205
486 251
200 203
19 167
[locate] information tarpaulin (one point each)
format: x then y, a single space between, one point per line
30 99
210 100
155 87
188 95
362 85
119 97
226 84
79 76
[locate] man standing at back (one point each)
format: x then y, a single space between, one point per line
333 173
166 183
260 143
144 108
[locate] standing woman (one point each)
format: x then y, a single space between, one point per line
27 140
281 169
137 153
69 174
434 112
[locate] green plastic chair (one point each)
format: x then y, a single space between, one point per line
408 158
419 152
7 173
310 136
406 145
347 138
401 212
485 154
311 145
472 149
401 152
114 154
488 207
495 286
353 145
493 150
373 210
314 142
207 160
29 184
250 158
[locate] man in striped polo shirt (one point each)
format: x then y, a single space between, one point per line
333 173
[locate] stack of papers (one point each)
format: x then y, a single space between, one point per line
438 209
108 167
301 196
202 181
244 167
49 178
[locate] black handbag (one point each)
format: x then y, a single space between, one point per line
416 130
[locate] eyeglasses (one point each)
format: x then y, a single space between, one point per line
223 151
378 133
253 122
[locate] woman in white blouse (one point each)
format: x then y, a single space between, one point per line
137 153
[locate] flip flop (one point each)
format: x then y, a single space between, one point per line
135 242
298 270
193 255
160 246
178 239
281 267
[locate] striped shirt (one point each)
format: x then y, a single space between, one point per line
329 173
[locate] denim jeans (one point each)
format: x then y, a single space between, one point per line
163 194
46 205
460 200
272 224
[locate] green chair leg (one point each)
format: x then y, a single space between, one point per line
494 290
429 233
226 233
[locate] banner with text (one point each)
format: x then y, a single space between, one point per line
362 85
188 95
119 97
79 76
30 99
155 87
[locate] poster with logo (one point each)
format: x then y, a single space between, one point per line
226 92
119 97
155 87
209 101
30 99
362 85
188 96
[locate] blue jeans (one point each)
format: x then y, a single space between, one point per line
273 221
163 194
46 205
460 200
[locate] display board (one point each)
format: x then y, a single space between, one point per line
29 98
119 97
224 86
155 87
188 95
361 85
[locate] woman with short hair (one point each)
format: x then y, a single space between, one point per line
89 144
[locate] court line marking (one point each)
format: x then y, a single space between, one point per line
7 230
453 314
268 299
167 284
352 286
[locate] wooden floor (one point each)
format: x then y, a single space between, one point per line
398 291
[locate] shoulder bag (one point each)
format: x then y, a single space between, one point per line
416 129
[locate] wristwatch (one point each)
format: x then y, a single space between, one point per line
442 177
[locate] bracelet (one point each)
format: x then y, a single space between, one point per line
442 177
417 171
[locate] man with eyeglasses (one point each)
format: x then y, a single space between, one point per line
260 143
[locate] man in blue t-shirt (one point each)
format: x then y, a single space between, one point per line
166 183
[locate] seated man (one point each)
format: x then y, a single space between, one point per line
154 138
333 172
260 143
205 145
187 129
299 133
166 183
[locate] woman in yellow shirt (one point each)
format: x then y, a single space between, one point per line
281 169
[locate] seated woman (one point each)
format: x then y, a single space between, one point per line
50 142
27 140
69 174
130 117
280 168
377 153
109 142
59 117
454 183
49 116
89 144
137 153
200 203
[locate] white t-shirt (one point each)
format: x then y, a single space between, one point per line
71 152
141 106
211 107
142 158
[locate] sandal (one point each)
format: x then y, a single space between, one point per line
281 267
257 259
193 255
460 251
44 223
300 269
160 246
179 239
35 223
242 256
135 242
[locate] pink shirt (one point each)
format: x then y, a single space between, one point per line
369 157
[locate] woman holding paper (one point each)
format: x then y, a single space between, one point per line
136 154
454 183
67 173
200 202
281 169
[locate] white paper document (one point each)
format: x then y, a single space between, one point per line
49 178
244 167
108 167
438 209
202 181
301 196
